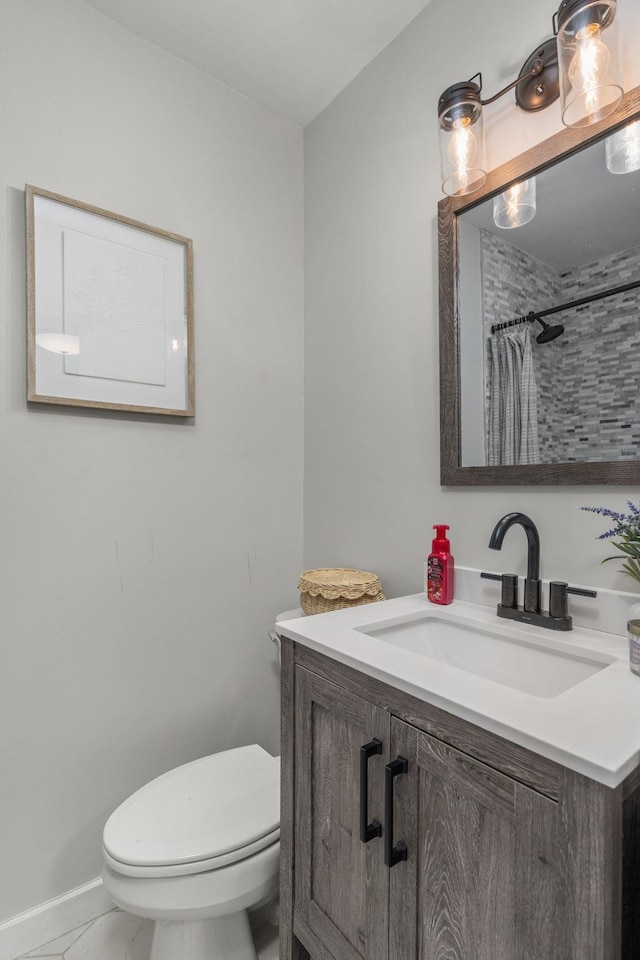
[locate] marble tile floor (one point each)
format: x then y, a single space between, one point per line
120 936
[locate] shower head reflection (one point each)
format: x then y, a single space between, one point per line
548 332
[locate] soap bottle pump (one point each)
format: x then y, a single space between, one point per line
440 567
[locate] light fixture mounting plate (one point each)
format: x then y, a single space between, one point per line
541 88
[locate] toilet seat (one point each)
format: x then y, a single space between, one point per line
201 816
197 866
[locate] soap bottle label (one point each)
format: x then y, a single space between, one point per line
435 579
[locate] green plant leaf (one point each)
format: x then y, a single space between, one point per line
630 547
631 571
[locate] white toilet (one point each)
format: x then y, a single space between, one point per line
195 850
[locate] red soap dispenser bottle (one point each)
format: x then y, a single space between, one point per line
440 567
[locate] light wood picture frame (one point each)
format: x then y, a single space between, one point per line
109 310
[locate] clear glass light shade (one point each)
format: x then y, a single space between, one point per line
590 63
516 206
462 149
623 149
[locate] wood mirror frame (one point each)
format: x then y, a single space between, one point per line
545 154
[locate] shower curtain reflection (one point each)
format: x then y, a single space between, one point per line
512 434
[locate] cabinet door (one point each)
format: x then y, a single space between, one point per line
341 884
479 880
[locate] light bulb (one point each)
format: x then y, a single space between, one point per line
589 65
462 149
513 200
589 60
461 136
516 206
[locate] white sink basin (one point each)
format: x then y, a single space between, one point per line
538 666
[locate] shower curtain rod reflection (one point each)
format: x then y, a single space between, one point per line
530 317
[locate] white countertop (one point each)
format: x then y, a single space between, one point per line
592 728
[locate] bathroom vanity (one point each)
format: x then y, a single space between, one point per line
456 805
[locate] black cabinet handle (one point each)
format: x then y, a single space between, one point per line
374 829
392 854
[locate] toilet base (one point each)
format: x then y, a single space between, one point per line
221 938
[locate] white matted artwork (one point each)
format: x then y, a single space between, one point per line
110 309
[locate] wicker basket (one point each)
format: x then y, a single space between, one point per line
334 588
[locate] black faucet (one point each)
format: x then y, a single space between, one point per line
532 583
558 617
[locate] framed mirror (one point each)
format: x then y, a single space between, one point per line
540 322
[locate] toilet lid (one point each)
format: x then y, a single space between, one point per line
203 809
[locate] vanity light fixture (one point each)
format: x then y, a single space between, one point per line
516 206
589 59
581 63
462 149
623 149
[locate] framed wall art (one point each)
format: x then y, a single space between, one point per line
110 310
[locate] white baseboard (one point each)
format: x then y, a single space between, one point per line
49 920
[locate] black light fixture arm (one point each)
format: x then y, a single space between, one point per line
537 68
554 70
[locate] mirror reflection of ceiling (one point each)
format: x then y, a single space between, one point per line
584 212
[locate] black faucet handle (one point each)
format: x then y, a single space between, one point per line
558 590
509 596
581 592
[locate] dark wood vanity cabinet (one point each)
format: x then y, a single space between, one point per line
509 856
479 844
341 883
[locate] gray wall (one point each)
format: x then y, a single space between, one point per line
372 488
142 561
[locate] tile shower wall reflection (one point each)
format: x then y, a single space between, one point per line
588 399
